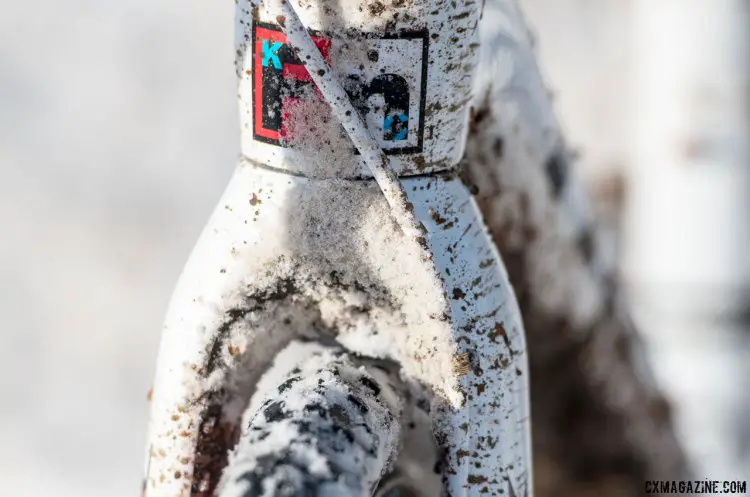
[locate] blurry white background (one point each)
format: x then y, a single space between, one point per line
118 132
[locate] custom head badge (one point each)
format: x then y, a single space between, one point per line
389 94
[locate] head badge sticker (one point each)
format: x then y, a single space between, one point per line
389 94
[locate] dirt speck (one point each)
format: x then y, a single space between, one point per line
420 163
461 364
376 9
437 218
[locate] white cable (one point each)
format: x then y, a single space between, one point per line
345 112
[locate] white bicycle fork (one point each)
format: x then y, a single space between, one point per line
304 244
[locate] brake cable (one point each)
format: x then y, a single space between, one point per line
344 111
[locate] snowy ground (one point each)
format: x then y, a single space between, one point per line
117 134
